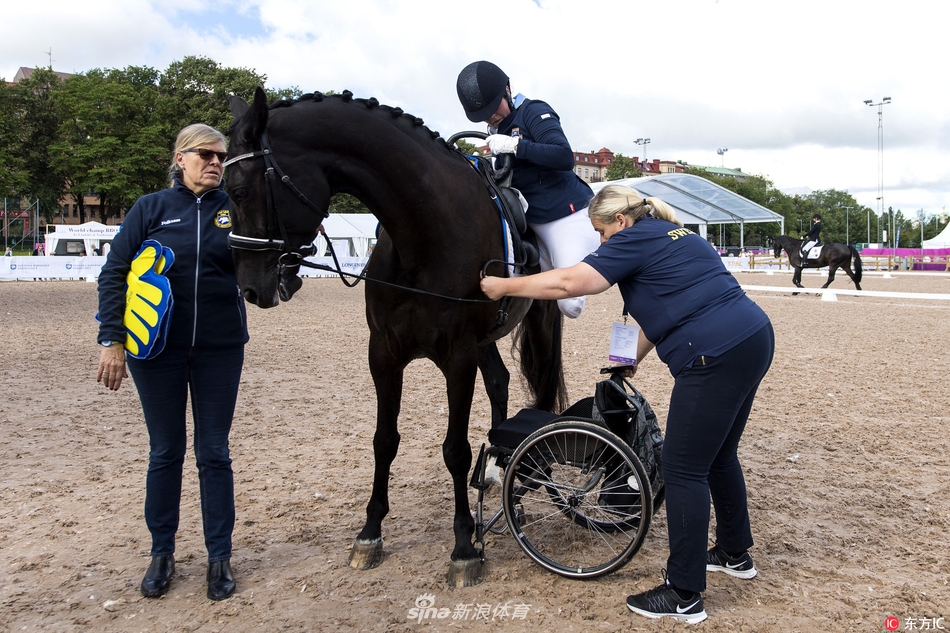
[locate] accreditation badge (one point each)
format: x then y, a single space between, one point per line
623 343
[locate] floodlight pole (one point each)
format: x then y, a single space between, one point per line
722 152
644 142
880 155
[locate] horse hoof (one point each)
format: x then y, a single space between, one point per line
466 573
366 554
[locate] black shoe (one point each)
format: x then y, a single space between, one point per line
740 566
220 580
666 602
158 578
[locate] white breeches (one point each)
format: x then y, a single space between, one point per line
563 243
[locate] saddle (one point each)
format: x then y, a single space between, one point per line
524 252
812 253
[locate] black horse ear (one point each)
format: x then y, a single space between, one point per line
250 120
257 119
238 106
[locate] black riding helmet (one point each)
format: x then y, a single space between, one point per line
481 86
817 216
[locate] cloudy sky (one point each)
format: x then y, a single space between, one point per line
781 84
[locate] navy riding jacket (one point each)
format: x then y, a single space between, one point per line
209 308
544 163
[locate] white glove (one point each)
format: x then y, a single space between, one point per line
501 144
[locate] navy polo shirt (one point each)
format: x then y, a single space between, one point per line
675 286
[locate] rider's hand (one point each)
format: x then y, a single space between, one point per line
501 144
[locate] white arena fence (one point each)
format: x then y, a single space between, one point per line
87 268
830 294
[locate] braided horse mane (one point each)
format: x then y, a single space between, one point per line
372 104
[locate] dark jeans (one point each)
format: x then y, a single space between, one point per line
212 376
709 407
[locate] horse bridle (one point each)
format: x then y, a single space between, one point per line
294 257
290 256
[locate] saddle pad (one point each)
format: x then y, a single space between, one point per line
515 430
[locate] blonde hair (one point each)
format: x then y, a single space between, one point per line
194 135
614 199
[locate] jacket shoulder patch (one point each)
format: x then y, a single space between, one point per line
223 219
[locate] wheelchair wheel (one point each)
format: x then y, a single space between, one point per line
577 499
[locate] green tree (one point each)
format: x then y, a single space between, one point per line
12 173
622 167
345 203
469 149
196 90
35 128
112 141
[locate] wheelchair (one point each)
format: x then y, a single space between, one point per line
580 488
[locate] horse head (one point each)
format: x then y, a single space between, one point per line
275 221
776 245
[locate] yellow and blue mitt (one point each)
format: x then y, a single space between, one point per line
148 301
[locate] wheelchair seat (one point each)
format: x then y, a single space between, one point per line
515 430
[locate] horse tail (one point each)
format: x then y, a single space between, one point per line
538 343
858 271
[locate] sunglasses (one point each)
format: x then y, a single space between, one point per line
207 154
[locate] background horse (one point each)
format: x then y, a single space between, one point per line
440 228
833 256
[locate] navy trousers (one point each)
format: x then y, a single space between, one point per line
709 407
211 376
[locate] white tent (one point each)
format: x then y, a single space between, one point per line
79 239
940 241
352 234
699 201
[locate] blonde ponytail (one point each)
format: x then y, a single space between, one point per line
614 199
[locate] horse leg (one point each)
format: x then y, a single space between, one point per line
831 274
847 269
387 372
797 280
496 377
465 568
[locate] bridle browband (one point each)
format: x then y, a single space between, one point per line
290 256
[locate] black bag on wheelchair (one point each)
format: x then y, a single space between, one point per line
630 417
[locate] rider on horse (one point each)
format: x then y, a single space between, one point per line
813 238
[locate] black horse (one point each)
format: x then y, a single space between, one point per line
440 229
833 256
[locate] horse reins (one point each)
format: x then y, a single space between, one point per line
294 257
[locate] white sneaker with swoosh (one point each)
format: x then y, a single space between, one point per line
739 566
665 601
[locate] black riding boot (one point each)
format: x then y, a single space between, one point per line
158 578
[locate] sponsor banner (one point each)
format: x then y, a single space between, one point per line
88 231
349 265
50 267
88 267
